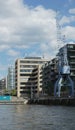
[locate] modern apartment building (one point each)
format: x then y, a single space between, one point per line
49 72
50 69
28 79
11 78
71 58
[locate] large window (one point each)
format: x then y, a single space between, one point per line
25 74
25 70
23 61
25 83
27 66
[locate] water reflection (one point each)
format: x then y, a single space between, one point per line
36 117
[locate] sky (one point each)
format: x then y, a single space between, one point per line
28 28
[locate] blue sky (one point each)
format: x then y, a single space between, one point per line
58 5
53 4
28 28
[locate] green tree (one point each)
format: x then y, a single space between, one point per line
13 92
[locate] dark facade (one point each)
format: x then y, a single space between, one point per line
71 58
49 76
50 69
2 83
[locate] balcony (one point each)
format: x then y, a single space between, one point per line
72 56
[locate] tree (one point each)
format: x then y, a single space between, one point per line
13 92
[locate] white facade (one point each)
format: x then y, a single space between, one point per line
28 76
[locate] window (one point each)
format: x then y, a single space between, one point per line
70 46
25 74
25 70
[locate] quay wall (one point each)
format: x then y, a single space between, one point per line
39 101
54 101
10 100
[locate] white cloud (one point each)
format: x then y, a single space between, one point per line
72 11
13 53
64 20
69 32
67 20
71 1
4 47
22 26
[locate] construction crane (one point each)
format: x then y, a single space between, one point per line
64 78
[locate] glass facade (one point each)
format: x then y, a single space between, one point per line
11 78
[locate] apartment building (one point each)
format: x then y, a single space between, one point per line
11 78
49 72
71 58
50 69
28 76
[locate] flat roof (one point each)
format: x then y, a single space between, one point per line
32 58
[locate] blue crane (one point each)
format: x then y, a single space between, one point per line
64 78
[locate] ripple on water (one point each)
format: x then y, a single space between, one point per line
36 117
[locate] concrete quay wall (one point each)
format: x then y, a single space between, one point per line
13 101
54 101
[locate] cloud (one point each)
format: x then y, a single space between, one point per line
68 28
13 53
69 32
22 27
4 47
31 30
71 1
67 20
3 69
72 11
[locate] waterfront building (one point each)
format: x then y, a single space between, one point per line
28 79
11 78
49 72
50 69
71 59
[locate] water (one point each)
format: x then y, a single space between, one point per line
36 117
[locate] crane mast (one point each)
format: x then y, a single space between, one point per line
64 78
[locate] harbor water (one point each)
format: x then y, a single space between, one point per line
36 117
